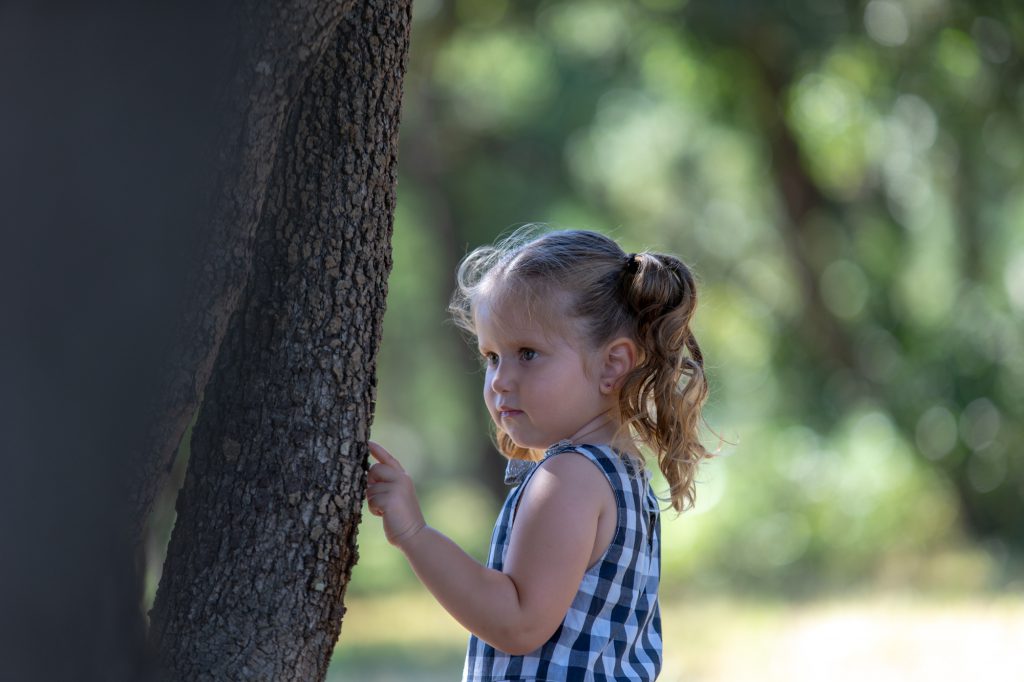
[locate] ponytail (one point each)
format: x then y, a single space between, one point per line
662 397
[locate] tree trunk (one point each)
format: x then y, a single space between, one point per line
800 199
261 68
264 543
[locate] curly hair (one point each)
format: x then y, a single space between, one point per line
649 297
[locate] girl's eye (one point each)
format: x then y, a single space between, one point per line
490 359
528 354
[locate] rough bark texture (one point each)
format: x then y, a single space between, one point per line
264 543
271 52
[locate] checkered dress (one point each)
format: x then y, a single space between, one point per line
612 630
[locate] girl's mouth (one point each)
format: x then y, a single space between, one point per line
509 413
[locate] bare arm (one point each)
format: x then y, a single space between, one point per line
552 542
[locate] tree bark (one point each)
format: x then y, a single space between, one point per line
264 543
271 48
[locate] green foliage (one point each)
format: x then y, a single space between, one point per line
846 180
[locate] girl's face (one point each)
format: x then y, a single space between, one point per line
540 387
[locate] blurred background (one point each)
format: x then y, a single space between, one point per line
846 179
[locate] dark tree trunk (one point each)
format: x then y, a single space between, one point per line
270 49
264 543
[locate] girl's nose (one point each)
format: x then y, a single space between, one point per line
501 378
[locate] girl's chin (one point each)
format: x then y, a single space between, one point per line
522 439
527 443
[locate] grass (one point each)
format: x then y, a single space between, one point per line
878 636
398 638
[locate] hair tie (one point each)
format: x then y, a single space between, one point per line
632 263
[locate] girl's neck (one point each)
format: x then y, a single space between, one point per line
601 430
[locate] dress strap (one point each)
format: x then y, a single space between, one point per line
516 470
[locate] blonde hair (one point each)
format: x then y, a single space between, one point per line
649 297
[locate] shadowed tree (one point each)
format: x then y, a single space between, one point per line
142 149
265 537
259 71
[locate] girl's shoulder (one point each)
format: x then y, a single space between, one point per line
593 469
625 475
573 470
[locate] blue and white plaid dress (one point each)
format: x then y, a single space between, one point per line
612 630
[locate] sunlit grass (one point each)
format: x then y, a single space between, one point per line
877 636
400 637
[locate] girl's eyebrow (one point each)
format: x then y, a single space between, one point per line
533 339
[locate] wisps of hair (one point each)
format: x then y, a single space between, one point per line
648 297
476 272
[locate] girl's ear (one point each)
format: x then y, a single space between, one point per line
619 359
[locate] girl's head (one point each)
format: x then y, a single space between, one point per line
579 288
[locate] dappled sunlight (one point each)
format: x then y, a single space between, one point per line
631 151
590 30
835 507
876 638
830 112
494 78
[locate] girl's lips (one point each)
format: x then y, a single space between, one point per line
509 413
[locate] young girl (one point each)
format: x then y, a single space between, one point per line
588 354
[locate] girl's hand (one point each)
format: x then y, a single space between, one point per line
392 496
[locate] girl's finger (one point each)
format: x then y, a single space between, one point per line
383 456
381 473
